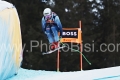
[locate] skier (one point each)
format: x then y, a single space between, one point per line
51 25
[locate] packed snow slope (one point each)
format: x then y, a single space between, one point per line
112 73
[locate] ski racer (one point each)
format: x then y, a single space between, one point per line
51 25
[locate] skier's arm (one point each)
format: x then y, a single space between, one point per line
58 22
43 24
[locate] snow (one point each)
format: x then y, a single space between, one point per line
4 5
10 36
112 73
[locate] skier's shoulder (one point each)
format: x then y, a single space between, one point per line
43 18
54 14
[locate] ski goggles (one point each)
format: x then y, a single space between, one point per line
47 16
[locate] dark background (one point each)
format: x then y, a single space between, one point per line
98 27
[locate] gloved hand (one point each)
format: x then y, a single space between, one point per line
60 37
45 32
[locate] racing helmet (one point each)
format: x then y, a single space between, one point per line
47 13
